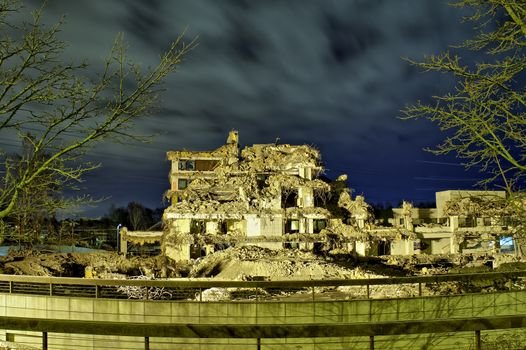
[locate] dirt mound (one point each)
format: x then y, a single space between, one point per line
245 263
74 264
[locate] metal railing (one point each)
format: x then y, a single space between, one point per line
194 289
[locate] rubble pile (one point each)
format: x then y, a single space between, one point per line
249 262
100 264
138 292
261 158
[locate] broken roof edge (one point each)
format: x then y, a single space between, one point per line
219 153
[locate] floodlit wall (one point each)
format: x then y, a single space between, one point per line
402 247
253 225
278 312
443 197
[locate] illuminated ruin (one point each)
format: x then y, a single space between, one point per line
273 196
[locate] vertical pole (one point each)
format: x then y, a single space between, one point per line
44 340
257 300
371 342
118 238
259 344
313 306
370 310
10 287
477 340
419 289
199 304
146 343
368 291
51 289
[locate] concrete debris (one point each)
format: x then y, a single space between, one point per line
214 294
91 265
249 262
150 293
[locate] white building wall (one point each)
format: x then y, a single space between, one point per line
253 225
402 247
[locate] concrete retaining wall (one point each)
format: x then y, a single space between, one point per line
282 312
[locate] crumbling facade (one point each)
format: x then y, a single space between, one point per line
464 221
267 194
273 195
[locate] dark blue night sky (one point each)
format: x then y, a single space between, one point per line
326 73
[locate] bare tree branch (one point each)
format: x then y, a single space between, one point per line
66 111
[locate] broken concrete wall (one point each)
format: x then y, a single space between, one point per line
457 196
402 247
176 239
435 245
253 225
361 248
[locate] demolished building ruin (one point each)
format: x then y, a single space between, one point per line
274 196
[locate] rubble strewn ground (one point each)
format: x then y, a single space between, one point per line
257 263
247 262
75 264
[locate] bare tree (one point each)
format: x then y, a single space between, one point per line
137 216
484 118
66 110
37 203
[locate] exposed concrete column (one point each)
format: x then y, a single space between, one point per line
409 245
303 225
211 228
305 197
309 225
454 248
360 223
408 223
360 248
453 223
123 244
172 246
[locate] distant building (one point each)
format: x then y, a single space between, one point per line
464 221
